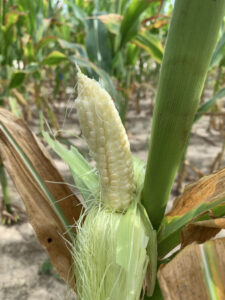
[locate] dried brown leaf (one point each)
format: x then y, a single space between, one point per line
199 234
41 215
208 189
218 223
185 276
201 231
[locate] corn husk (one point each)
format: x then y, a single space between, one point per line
110 255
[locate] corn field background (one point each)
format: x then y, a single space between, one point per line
39 46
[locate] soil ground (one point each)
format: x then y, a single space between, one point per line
22 257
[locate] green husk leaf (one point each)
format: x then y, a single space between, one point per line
85 177
110 254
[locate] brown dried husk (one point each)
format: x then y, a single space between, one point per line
48 227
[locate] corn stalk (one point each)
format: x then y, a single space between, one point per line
191 39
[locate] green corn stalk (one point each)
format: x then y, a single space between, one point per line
191 39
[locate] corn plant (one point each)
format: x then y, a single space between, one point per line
116 242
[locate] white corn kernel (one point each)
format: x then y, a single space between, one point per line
108 143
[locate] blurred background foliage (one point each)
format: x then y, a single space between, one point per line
119 42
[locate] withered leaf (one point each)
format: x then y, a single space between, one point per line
47 225
208 189
201 231
197 272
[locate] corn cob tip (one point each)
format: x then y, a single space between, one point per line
108 143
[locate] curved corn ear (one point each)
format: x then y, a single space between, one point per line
108 143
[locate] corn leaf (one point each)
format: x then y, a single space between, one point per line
54 58
14 107
199 201
36 178
219 52
78 12
130 24
112 22
44 41
17 79
201 231
98 44
73 46
197 272
206 106
150 44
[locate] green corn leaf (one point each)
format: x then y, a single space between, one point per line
169 236
132 55
14 106
98 44
5 187
54 58
112 22
151 44
219 53
73 46
17 79
130 24
10 19
206 106
78 12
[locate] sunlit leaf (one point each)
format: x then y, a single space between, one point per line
150 44
130 24
14 107
54 58
73 46
112 22
84 176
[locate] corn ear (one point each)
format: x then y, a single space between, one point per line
112 251
108 143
